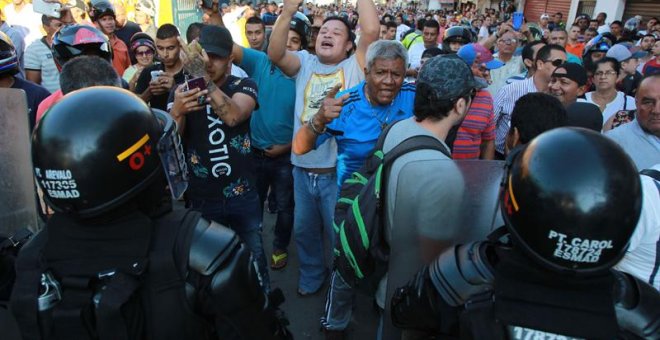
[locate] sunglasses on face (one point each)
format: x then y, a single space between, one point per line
144 53
555 63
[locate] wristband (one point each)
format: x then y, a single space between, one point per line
311 125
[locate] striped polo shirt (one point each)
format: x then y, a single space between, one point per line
478 126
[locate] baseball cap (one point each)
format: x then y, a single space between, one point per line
447 76
582 16
574 72
471 52
216 40
622 52
545 16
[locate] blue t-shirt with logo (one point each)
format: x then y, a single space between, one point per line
272 123
359 124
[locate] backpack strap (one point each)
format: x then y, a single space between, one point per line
414 143
477 321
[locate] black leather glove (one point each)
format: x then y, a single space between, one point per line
416 305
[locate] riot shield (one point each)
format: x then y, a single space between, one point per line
469 216
17 189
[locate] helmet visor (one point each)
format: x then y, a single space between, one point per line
171 155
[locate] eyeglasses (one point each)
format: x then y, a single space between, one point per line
606 73
555 63
508 41
144 53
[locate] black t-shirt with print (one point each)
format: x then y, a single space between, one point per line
159 101
219 157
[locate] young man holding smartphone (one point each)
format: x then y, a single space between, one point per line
156 81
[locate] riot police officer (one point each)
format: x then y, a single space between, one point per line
105 267
456 37
570 201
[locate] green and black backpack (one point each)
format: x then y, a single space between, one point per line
361 249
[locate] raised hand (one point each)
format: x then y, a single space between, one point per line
194 58
330 107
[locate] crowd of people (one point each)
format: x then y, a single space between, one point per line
278 105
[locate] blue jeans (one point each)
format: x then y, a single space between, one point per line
315 196
276 174
338 304
241 214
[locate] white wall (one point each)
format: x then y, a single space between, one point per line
613 8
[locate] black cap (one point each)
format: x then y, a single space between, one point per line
216 40
574 72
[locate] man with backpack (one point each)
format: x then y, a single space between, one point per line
355 119
107 266
403 183
417 194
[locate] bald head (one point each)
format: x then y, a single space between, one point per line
647 101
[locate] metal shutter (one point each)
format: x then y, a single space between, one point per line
534 9
645 8
555 6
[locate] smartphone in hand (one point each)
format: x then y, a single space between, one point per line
199 83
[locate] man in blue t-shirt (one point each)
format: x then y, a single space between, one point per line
356 117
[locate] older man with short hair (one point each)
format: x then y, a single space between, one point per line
354 119
641 137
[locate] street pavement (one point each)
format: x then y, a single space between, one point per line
304 313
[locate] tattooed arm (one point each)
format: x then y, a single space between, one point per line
231 110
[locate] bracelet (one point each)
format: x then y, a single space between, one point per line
311 125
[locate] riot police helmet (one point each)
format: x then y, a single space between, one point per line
460 34
100 9
571 200
99 147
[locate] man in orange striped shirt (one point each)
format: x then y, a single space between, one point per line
475 138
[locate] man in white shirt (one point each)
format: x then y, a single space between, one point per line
430 38
547 60
642 258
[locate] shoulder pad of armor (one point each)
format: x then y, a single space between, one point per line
461 272
212 244
636 306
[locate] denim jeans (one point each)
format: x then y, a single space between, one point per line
241 214
315 196
276 174
338 304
